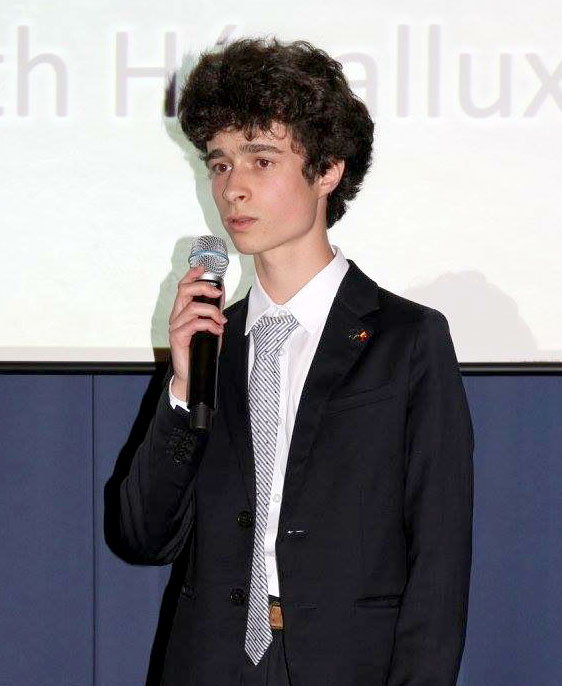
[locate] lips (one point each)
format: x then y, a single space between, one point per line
238 223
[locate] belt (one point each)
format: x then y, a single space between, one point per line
275 614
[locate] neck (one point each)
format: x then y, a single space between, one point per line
282 275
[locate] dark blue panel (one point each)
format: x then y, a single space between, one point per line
515 632
49 558
127 598
46 630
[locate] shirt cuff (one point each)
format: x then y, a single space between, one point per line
175 402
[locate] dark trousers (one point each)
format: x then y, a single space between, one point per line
271 669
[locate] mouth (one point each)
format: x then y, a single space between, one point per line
239 223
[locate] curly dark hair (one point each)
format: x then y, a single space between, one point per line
253 83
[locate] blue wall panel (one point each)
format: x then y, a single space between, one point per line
514 631
46 621
60 438
127 598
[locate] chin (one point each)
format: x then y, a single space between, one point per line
251 243
244 243
245 251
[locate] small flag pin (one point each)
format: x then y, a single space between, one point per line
359 336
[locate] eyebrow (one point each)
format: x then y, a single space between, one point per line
251 148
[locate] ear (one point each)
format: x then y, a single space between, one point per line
330 179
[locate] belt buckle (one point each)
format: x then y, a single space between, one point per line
275 615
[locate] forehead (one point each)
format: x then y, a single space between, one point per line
234 140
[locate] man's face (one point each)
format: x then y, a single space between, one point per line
264 201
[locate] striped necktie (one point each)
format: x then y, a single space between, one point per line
270 333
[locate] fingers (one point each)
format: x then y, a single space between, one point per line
183 334
189 316
194 310
189 287
209 314
192 274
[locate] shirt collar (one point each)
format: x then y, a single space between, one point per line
310 305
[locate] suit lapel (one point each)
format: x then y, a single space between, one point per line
341 344
234 404
339 348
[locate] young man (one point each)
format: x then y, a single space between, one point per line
327 519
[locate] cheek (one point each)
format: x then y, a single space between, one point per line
294 198
217 189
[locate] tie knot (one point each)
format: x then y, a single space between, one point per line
271 332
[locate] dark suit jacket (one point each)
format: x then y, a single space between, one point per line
374 541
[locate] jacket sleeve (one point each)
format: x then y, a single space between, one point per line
150 510
431 625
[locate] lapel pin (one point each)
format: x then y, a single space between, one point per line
359 336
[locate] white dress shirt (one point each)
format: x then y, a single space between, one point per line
310 307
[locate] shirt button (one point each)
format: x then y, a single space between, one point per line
279 421
277 498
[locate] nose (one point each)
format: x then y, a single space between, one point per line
236 187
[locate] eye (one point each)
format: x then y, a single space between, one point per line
218 168
263 163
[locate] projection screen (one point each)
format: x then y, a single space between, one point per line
101 195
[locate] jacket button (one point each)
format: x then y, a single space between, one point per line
237 596
187 590
245 519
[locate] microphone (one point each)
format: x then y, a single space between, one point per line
211 252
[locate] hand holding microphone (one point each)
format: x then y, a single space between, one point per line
196 324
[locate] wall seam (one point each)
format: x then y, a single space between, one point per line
94 523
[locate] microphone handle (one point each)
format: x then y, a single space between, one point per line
203 371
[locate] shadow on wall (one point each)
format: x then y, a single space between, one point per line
482 318
179 260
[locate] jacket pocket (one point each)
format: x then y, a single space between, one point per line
366 397
379 601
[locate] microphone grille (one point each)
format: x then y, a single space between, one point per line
211 252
